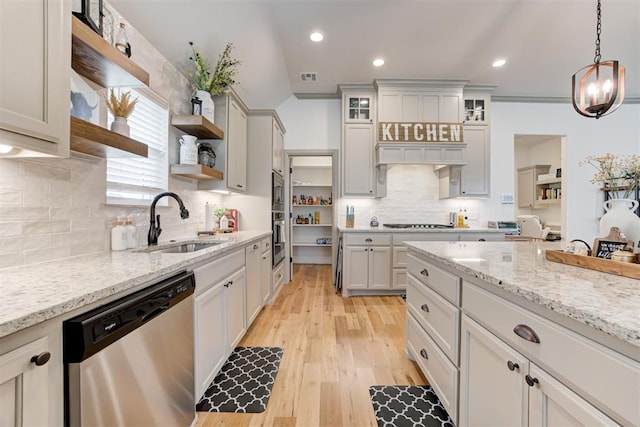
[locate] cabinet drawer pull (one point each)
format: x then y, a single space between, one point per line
255 246
531 381
526 333
424 307
41 359
512 366
368 239
425 272
424 354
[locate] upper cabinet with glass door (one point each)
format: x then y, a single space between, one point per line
477 103
359 109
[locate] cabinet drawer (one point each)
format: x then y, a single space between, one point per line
265 244
209 274
614 387
359 239
444 283
439 370
437 316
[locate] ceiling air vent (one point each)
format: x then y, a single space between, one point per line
308 77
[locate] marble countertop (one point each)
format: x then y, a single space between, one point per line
606 302
35 293
382 229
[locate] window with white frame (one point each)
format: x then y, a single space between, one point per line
136 180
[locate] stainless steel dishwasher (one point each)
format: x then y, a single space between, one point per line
130 362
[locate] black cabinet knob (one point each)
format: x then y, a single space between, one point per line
512 366
424 354
424 307
531 381
425 272
41 359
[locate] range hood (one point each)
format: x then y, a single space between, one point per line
393 153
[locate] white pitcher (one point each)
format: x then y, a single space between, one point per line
188 150
619 213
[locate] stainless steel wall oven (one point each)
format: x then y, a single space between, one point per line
278 240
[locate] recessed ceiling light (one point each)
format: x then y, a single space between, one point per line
499 63
4 149
316 36
378 62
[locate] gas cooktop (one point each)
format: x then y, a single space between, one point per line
418 226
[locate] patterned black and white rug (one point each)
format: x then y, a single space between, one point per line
400 406
244 382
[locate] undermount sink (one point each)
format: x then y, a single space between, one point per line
184 247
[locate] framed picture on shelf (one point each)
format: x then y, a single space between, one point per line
90 13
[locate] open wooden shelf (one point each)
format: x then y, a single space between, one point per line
199 172
198 126
100 142
94 58
549 181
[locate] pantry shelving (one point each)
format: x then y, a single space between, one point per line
311 220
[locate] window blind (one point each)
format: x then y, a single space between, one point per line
136 181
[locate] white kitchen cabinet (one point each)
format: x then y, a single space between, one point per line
24 386
358 156
277 280
218 315
551 404
471 179
253 254
265 271
420 101
359 172
235 306
502 387
527 186
367 262
231 153
494 392
210 336
32 394
278 145
36 73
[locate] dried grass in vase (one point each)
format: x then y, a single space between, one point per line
120 105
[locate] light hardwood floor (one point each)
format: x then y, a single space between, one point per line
334 349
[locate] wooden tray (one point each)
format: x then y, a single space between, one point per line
593 263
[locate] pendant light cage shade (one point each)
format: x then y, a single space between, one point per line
598 89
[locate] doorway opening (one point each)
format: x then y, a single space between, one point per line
312 184
539 184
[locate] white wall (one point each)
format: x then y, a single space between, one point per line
617 133
312 124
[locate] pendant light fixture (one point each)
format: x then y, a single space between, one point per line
598 89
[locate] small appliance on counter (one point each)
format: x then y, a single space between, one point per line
531 226
510 228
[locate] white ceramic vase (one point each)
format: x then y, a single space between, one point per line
188 150
208 107
619 213
120 125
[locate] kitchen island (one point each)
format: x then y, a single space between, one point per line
37 298
506 337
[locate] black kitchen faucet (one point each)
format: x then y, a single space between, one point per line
154 231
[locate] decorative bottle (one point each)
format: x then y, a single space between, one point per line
119 236
132 237
122 42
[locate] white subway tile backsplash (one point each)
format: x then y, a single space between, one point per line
11 259
10 198
46 227
24 213
10 228
48 254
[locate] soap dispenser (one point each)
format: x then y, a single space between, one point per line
119 236
132 238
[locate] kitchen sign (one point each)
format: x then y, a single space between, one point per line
419 132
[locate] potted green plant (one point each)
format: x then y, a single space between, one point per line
121 106
209 83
